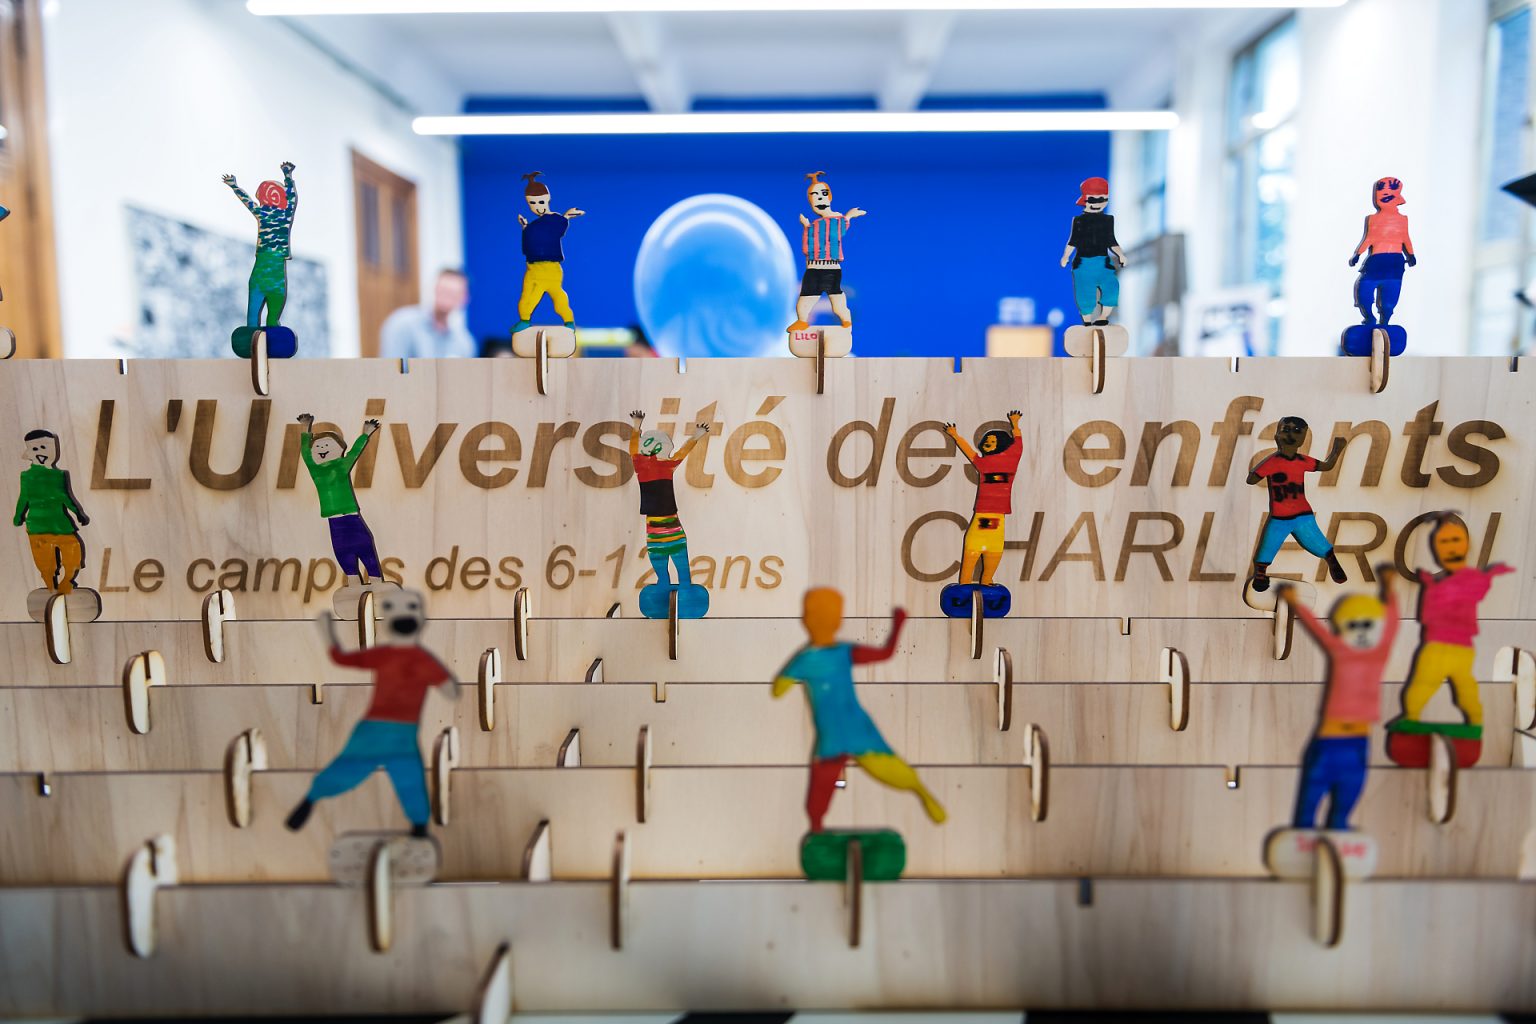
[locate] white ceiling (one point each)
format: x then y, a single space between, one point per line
671 59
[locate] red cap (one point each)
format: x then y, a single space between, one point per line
1092 187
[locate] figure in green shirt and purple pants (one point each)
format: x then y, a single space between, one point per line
330 467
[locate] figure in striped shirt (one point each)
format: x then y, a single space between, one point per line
821 241
665 542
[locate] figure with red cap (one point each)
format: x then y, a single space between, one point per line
273 208
1094 254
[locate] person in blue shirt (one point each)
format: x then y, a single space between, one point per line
843 728
432 331
541 248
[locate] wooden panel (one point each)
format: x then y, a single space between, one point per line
47 729
1454 433
983 944
745 823
635 650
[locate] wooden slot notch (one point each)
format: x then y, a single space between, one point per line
247 755
1037 756
1517 666
1284 630
367 620
978 624
1442 779
381 899
618 891
521 611
490 675
853 893
569 755
493 999
538 863
821 362
674 636
1381 360
218 608
56 630
1328 884
1173 668
152 866
445 758
142 671
643 775
1002 675
1097 357
261 365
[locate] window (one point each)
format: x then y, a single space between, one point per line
1263 95
1502 260
1152 173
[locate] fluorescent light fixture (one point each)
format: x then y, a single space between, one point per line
796 122
320 7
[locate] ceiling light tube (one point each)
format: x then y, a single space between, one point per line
799 122
327 7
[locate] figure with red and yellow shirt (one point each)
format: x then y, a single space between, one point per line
666 544
404 673
1290 514
997 464
1448 624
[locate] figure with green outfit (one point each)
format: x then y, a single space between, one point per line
273 208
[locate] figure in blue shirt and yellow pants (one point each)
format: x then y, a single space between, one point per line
541 248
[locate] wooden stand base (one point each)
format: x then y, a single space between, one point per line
1266 600
7 343
413 860
83 604
1357 339
1292 852
824 855
559 342
282 343
837 339
344 601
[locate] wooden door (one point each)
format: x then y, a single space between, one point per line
386 247
28 271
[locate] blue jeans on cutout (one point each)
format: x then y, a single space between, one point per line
1333 766
376 744
1380 284
1303 527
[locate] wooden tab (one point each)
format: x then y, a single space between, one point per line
618 891
1037 757
521 612
1175 672
493 999
152 865
489 676
1002 674
247 755
537 862
570 751
445 758
1328 884
381 899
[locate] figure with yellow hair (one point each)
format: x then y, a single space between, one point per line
1448 620
546 259
844 730
821 242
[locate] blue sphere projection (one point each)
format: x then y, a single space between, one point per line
715 277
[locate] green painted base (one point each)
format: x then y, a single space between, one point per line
824 855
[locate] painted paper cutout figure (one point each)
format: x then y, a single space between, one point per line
545 274
1358 645
1094 254
386 737
997 465
1448 626
47 507
330 464
843 728
821 242
1337 758
665 542
273 208
1388 251
1290 514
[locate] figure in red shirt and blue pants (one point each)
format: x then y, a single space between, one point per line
1358 647
403 673
1290 514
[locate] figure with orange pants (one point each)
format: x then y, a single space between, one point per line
545 255
48 509
843 728
1448 617
1358 647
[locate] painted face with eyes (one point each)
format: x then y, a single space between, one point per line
1451 545
1290 432
538 204
1095 204
43 451
324 449
1387 192
820 197
404 613
655 443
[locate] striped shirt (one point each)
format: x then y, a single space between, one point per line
664 535
822 240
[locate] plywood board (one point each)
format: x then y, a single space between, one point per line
1238 944
1136 494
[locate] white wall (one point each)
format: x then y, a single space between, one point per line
1388 87
151 101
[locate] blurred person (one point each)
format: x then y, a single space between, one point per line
433 331
496 348
640 347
